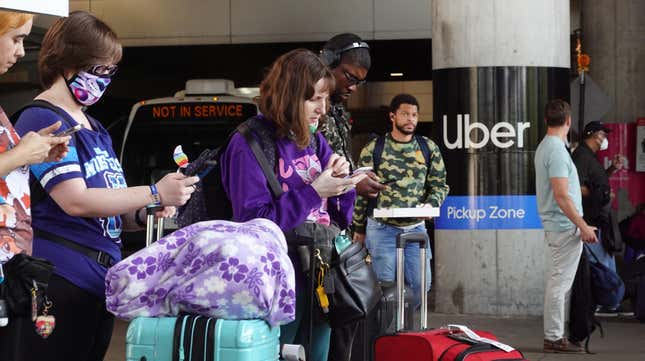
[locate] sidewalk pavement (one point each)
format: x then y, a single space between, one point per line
624 337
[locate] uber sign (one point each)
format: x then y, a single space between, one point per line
502 135
488 123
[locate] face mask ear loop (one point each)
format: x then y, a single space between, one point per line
69 88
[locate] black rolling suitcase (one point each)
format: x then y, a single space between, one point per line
380 322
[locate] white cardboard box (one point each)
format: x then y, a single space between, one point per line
406 212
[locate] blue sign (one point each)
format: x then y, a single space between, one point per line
489 212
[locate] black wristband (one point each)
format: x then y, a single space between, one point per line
138 220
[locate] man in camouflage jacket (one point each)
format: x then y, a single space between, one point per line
413 181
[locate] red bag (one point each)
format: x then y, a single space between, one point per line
444 344
439 345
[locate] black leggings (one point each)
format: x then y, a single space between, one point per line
82 333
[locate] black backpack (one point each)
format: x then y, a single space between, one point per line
582 319
210 201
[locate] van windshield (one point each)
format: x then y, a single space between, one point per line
158 128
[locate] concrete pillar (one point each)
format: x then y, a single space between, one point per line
613 36
495 65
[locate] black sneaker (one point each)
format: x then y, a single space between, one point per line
615 312
606 312
624 312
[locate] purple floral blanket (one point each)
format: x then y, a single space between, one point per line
217 268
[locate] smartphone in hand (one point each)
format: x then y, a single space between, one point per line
358 171
69 131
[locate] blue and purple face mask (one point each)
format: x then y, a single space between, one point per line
87 88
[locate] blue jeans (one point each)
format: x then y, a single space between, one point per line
380 240
605 258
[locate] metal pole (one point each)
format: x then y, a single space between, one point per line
581 109
159 228
424 293
150 224
400 309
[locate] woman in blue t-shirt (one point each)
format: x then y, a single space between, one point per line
77 224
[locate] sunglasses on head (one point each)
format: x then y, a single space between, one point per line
352 80
102 70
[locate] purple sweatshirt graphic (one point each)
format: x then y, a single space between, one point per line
251 197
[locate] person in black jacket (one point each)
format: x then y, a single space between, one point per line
597 196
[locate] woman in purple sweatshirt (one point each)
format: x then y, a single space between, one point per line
293 96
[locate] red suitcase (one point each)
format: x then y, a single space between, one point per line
444 344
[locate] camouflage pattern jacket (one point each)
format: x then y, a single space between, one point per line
415 184
335 127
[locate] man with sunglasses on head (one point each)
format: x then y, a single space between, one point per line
348 56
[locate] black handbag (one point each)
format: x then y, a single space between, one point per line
23 274
310 235
356 290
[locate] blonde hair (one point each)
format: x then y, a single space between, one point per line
12 20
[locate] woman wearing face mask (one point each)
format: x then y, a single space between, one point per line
293 96
77 224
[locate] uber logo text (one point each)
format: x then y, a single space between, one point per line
503 134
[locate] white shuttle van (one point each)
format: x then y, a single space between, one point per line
199 117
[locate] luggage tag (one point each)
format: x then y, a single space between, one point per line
472 335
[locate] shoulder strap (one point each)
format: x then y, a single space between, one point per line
424 149
37 191
379 145
39 103
588 249
260 156
377 152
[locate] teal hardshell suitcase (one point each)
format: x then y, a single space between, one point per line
199 338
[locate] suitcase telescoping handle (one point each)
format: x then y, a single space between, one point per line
150 221
401 241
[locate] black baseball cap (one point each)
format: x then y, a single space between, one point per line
595 126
